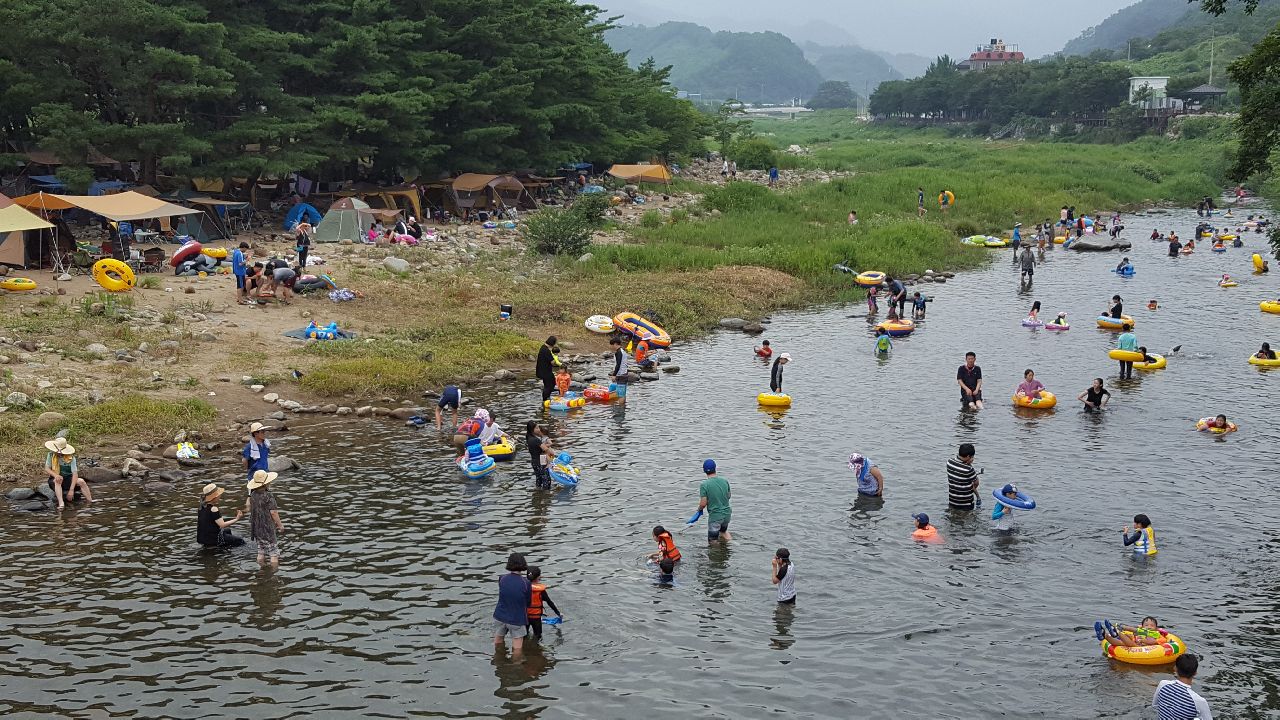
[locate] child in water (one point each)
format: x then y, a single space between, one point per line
537 598
1124 266
1034 315
666 546
1266 353
1226 280
1146 633
872 307
918 303
1000 511
666 573
563 379
1061 320
924 531
764 350
1143 538
883 342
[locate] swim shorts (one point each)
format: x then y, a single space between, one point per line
501 629
621 389
269 549
965 399
451 397
240 282
715 527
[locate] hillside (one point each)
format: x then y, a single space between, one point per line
857 66
1143 19
754 67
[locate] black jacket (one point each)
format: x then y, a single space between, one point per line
544 369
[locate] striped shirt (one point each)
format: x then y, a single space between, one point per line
960 478
1177 701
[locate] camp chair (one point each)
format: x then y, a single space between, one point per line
78 262
153 260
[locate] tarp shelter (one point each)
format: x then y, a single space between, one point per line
396 198
208 185
15 221
476 191
642 173
127 205
345 221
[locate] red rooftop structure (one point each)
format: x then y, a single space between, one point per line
993 54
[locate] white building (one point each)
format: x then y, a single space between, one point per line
1159 87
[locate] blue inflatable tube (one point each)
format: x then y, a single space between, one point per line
1022 502
1126 272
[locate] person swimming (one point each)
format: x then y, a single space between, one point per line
1148 632
924 531
1034 315
1124 266
1266 353
764 350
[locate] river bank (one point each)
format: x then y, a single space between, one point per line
429 315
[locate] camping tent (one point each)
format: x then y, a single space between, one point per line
392 198
344 221
475 191
642 173
127 205
14 224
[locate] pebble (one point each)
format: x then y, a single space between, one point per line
257 388
670 368
277 415
271 397
344 410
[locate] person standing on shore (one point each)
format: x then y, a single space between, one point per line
920 202
264 516
773 176
302 243
1017 239
962 479
240 268
256 450
545 369
714 494
969 378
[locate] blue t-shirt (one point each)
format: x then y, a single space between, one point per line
237 262
773 173
1127 341
257 454
867 485
514 594
1017 236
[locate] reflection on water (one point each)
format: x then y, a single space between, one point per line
382 604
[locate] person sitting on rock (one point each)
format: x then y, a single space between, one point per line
64 473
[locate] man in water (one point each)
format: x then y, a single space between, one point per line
1175 698
1017 239
1175 247
962 479
714 493
969 378
1028 263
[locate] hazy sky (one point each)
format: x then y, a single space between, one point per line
924 27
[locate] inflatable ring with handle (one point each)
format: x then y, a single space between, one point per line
113 275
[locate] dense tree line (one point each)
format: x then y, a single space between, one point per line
1067 87
227 87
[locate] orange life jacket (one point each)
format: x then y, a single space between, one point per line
927 533
642 351
563 379
535 600
668 547
470 428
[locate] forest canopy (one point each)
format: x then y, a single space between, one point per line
229 88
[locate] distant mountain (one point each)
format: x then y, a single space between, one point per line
863 69
1143 19
753 67
909 65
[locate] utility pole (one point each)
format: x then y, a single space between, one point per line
1212 37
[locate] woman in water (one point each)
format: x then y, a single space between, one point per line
1034 315
1030 387
1117 307
775 375
870 480
1095 397
212 530
1266 353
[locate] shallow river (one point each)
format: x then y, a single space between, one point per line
382 604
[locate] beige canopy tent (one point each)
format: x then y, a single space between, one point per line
123 206
15 221
476 191
642 173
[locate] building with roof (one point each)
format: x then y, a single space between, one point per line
993 54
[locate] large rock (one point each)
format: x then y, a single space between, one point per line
405 413
170 452
173 476
44 491
396 265
133 466
17 400
504 375
31 506
20 494
281 463
97 349
271 397
157 486
732 323
648 376
670 368
99 474
50 420
753 328
1100 244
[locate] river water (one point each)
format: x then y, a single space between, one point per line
382 604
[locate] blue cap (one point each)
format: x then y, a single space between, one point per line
921 518
708 466
1009 488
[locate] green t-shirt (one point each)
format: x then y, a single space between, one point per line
716 491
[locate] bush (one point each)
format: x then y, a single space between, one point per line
965 228
559 232
1147 172
754 154
591 207
651 219
738 196
679 215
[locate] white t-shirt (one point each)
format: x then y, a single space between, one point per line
787 585
1175 700
490 434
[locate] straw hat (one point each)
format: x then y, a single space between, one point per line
261 478
212 489
256 428
60 446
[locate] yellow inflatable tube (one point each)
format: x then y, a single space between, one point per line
18 284
504 449
1269 306
1203 426
113 275
1257 262
1126 356
213 252
1110 323
573 402
771 399
1044 402
870 278
1158 364
1255 360
1166 652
